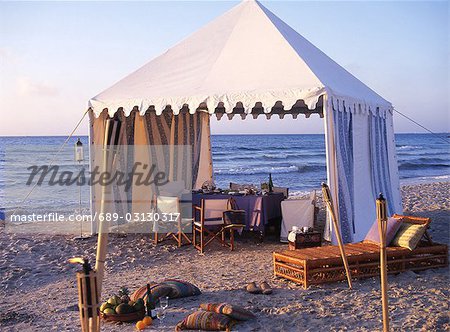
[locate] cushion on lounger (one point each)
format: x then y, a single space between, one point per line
181 288
205 320
409 235
231 310
392 227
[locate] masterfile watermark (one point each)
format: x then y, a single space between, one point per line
54 176
121 189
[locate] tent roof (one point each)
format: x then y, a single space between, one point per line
247 55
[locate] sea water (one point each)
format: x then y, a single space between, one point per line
295 161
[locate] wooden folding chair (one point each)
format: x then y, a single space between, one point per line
167 220
209 223
283 190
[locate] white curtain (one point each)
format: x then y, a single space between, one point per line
361 163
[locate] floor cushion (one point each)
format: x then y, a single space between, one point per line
409 235
158 290
181 288
231 310
205 320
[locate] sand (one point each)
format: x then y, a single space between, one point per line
38 289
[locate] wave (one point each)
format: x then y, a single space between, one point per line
246 148
270 169
256 170
275 156
421 166
405 147
431 160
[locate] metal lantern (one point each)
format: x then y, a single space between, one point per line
79 158
79 154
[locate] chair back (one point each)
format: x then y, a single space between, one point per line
166 204
296 212
213 209
173 188
283 190
313 197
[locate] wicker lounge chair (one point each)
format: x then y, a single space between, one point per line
324 264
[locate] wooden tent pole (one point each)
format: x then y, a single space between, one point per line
111 139
382 227
327 199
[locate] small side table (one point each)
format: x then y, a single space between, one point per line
306 240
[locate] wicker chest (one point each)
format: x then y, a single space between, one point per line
306 240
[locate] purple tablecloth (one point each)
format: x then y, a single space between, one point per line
258 209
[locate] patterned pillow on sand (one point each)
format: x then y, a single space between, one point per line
393 225
158 290
205 320
181 288
231 310
409 235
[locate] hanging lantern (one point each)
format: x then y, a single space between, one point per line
79 155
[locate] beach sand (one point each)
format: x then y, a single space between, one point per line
38 290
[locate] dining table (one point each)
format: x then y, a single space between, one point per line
259 209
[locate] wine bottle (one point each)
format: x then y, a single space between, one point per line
270 183
150 305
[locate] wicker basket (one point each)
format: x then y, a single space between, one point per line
131 317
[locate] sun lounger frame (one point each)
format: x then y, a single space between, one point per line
324 265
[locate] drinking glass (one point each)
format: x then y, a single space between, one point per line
160 314
164 302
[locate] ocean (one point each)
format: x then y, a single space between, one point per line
295 161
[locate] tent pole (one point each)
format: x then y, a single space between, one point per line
102 242
330 150
327 199
91 192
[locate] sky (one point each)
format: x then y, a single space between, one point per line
55 56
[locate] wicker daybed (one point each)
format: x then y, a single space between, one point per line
324 264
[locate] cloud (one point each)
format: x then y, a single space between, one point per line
27 87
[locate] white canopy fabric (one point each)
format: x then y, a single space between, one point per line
247 55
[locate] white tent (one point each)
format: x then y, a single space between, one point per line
248 61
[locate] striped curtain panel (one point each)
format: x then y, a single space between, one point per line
179 145
344 160
175 143
380 175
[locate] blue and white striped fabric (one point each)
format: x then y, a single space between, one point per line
380 174
344 157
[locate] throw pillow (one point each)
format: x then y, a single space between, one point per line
205 320
181 288
231 310
392 227
409 235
